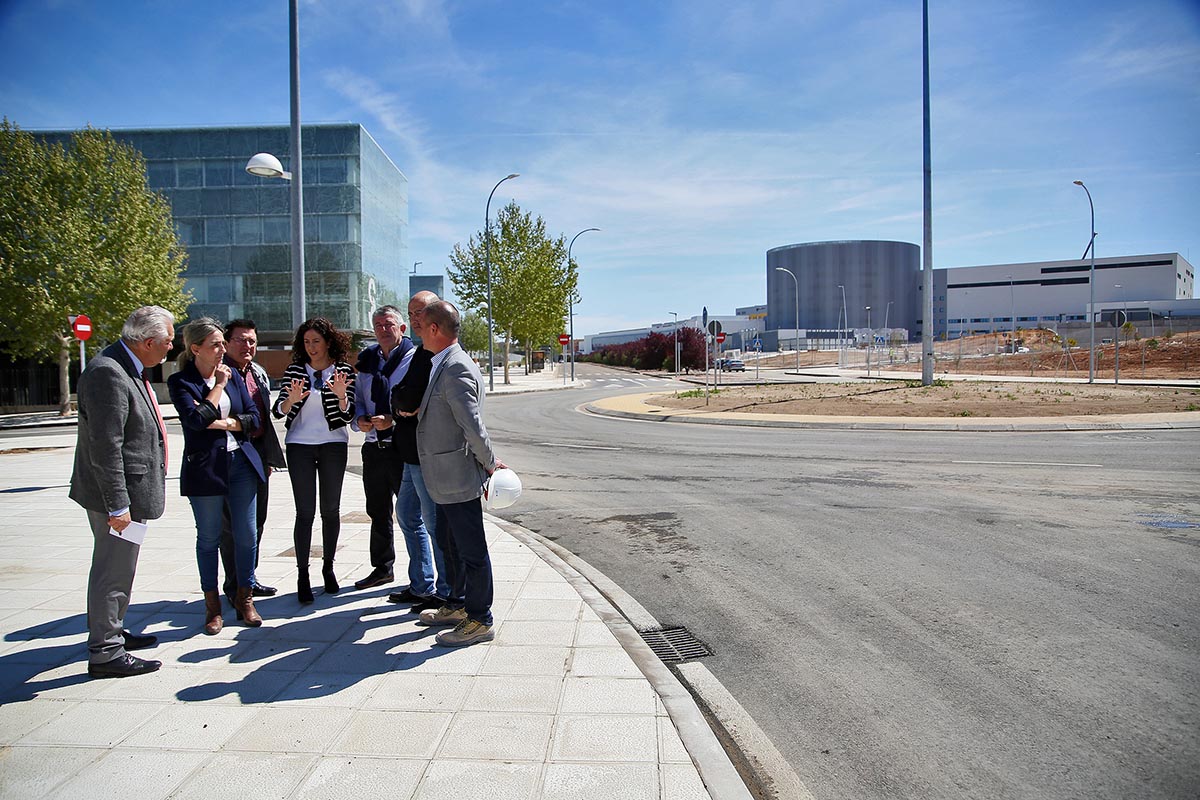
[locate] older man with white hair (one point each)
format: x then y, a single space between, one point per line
120 478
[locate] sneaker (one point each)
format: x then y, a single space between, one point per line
443 615
466 632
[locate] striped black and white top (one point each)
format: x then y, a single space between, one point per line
334 415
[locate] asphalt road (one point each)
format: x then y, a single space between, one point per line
906 614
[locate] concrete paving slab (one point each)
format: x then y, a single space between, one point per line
357 777
34 771
479 780
124 773
619 737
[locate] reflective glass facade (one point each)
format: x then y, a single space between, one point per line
237 227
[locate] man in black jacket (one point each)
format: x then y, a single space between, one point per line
415 509
380 367
241 338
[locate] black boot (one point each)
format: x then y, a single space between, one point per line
303 589
331 584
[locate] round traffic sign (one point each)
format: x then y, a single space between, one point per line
721 338
82 327
563 339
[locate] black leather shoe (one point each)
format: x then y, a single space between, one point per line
264 591
406 595
135 642
123 667
378 577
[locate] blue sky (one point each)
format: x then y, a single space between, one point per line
696 134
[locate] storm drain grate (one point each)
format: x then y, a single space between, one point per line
675 645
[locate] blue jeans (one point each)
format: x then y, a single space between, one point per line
209 514
417 514
460 527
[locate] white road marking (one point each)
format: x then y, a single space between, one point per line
1027 463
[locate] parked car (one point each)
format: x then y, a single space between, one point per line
732 365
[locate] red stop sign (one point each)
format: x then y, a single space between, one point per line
721 337
563 339
82 327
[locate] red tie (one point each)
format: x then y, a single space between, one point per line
162 428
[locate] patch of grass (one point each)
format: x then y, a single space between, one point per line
964 413
1192 407
696 393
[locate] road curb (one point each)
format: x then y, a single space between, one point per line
690 695
853 424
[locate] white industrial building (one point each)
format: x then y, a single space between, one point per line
1051 294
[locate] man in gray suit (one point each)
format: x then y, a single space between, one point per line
120 476
456 458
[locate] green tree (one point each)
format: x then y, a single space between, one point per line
473 334
531 279
80 232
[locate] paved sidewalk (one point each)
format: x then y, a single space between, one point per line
347 697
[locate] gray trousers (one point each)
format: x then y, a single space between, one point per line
110 582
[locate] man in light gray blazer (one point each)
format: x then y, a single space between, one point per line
456 458
120 476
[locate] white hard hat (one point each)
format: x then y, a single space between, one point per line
502 489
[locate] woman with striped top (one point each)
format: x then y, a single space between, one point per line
317 439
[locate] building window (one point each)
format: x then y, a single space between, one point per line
191 174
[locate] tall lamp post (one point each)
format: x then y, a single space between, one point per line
1117 338
487 261
789 272
1012 315
870 340
1091 287
676 332
571 301
265 165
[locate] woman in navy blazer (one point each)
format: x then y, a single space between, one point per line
220 467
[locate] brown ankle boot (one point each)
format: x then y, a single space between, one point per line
212 613
245 607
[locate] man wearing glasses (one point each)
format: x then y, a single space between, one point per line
241 338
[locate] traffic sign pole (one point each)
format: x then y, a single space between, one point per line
565 339
81 326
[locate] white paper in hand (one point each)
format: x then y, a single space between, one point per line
134 532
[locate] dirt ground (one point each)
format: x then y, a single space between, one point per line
943 399
1176 357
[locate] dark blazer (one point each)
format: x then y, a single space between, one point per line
119 454
205 468
268 444
456 453
405 395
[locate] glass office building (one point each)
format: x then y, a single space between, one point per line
237 227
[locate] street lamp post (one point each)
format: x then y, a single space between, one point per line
487 260
1012 315
870 340
1117 338
794 278
266 165
571 301
1091 287
675 330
